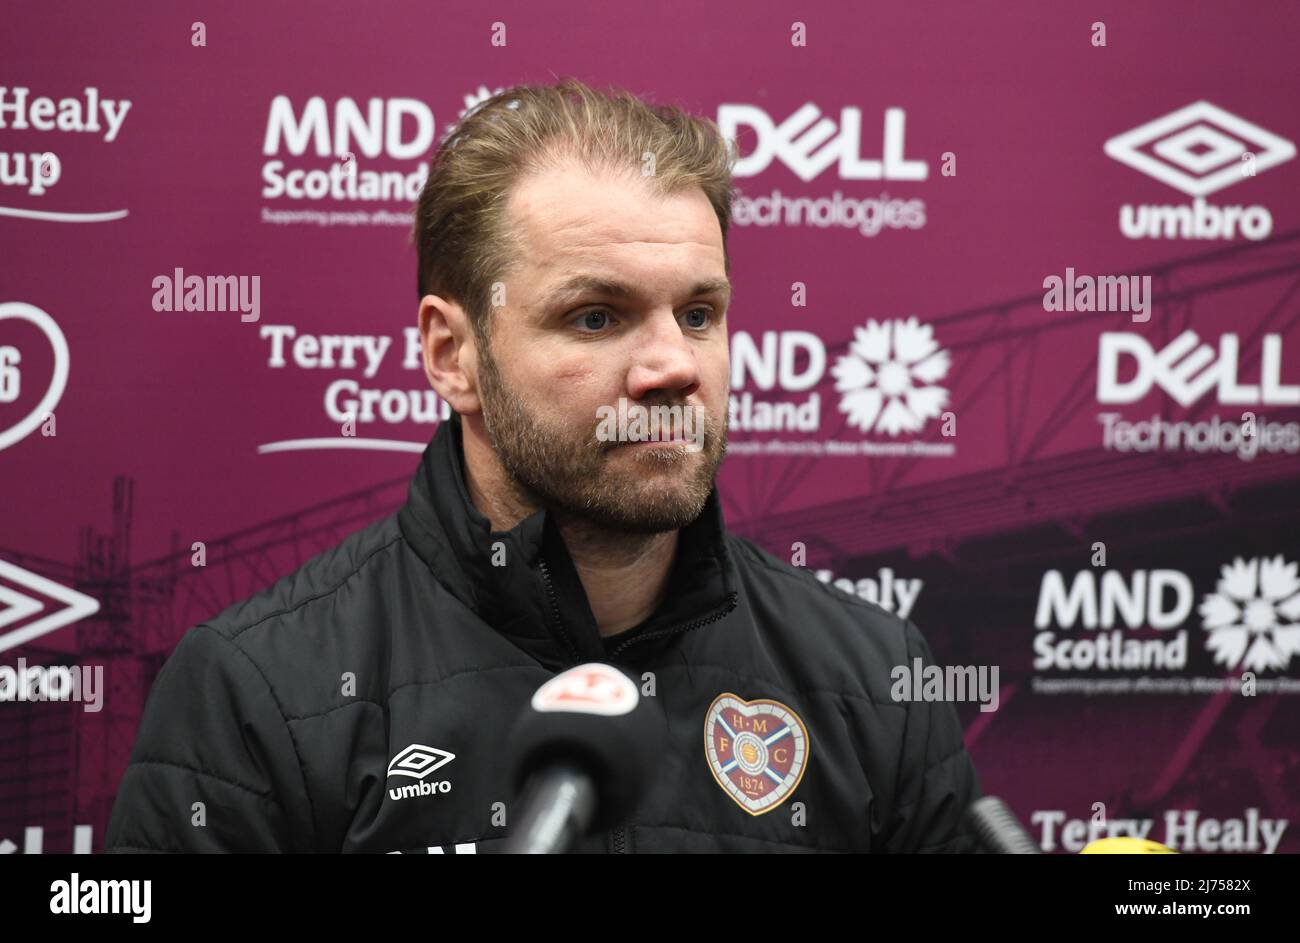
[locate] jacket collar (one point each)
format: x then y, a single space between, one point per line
523 583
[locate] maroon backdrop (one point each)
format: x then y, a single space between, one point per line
1046 488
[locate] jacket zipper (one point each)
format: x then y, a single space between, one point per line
618 840
555 608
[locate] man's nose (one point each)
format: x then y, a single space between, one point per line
664 360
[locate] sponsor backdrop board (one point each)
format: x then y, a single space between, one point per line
1014 344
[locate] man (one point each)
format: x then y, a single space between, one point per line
572 259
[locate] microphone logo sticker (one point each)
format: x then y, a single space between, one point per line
758 750
588 689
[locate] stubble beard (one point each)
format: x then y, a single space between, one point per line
568 470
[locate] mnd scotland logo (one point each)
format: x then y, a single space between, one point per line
1138 628
889 378
890 381
1253 615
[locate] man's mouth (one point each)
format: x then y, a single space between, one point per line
658 426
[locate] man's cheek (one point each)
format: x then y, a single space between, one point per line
716 386
576 377
718 369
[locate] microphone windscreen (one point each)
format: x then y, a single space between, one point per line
592 717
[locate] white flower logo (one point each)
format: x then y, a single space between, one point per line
1252 615
888 377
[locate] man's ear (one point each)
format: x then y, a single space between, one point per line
450 357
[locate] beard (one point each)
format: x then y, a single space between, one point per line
566 468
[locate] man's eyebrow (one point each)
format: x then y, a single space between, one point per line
571 288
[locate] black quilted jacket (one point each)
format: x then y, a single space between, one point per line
362 703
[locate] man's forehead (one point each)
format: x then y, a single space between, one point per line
559 216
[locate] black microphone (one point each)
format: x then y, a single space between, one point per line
998 829
581 756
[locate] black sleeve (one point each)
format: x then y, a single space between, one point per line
937 780
214 766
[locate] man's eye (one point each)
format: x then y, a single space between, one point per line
593 320
699 317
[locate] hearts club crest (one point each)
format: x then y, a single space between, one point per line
758 750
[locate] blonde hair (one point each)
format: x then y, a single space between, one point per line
460 235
